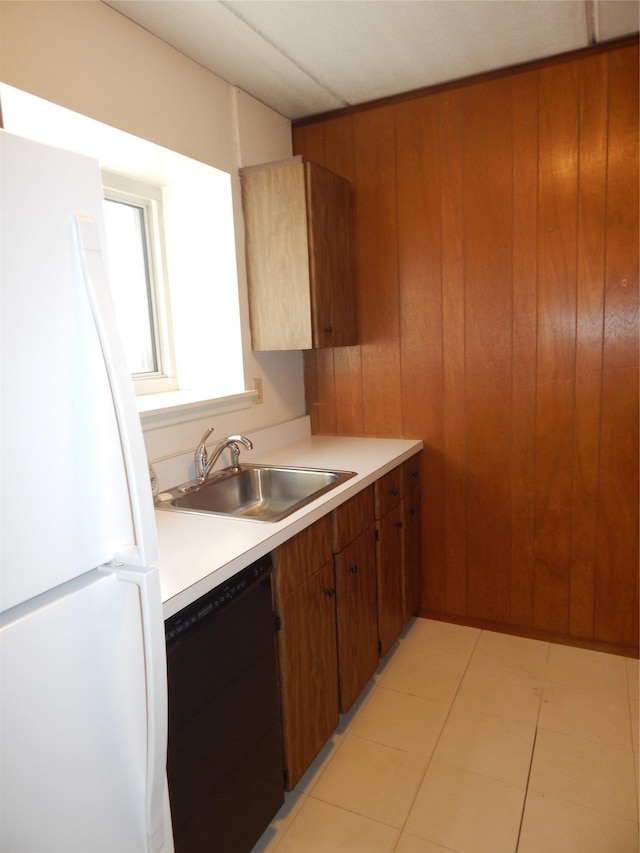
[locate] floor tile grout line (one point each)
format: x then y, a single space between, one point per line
526 789
435 746
533 747
376 684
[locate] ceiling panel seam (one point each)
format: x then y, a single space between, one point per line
287 56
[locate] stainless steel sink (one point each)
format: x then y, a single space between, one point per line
254 492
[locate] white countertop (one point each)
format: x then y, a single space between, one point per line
198 552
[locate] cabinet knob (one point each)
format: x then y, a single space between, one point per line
398 524
328 329
414 474
353 569
329 592
393 492
413 512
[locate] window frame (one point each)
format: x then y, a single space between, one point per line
122 188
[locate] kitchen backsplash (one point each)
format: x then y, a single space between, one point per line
180 468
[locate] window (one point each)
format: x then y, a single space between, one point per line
133 219
190 302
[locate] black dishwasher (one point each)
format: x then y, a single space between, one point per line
225 764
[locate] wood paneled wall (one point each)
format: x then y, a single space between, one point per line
497 257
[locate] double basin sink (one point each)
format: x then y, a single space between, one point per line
253 492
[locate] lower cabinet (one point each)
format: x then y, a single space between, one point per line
398 549
356 595
389 571
343 589
411 539
305 602
389 523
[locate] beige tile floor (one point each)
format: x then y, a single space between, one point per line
469 740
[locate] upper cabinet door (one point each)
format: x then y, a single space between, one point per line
299 245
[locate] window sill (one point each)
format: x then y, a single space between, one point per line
175 407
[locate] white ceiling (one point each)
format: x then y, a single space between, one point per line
305 57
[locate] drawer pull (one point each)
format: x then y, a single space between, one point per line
413 512
329 592
328 329
393 492
398 524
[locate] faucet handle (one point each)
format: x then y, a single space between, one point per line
202 455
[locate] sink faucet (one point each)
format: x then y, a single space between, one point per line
204 462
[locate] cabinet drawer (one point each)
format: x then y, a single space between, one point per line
351 519
388 491
296 560
411 474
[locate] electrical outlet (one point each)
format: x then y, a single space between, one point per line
257 384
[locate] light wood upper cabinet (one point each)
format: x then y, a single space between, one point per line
300 262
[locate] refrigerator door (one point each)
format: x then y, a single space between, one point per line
73 461
77 768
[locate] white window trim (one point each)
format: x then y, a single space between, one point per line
124 188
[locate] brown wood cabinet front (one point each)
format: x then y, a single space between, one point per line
305 601
389 572
411 538
300 263
356 595
398 548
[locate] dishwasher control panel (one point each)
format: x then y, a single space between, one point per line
216 600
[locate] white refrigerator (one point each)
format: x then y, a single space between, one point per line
83 704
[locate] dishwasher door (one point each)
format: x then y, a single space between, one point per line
225 758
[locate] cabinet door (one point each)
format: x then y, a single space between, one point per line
357 618
331 260
412 554
275 213
307 657
389 570
300 257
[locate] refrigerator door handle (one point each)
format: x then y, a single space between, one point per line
148 582
97 288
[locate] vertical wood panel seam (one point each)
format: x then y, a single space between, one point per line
574 407
598 532
512 567
443 395
359 382
331 353
463 143
398 281
536 357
